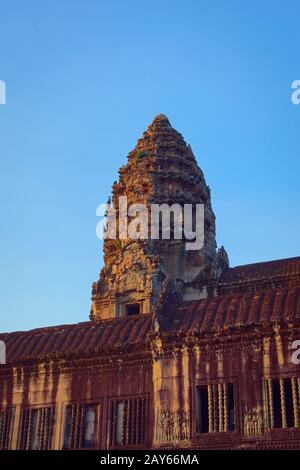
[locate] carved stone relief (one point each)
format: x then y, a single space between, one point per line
252 422
172 426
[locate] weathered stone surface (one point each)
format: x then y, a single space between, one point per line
160 169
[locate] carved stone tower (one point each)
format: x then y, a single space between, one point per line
160 169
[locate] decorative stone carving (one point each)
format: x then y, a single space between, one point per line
222 260
172 426
252 422
169 298
210 274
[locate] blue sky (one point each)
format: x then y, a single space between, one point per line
85 78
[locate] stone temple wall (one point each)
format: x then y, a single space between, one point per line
159 383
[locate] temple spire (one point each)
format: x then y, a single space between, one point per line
161 169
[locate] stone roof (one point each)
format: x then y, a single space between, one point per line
239 310
228 310
80 338
257 276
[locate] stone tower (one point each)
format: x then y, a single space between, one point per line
145 275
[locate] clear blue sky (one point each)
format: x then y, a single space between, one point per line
85 78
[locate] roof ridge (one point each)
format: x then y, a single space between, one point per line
266 262
44 329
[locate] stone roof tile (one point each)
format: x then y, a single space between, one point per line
229 309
